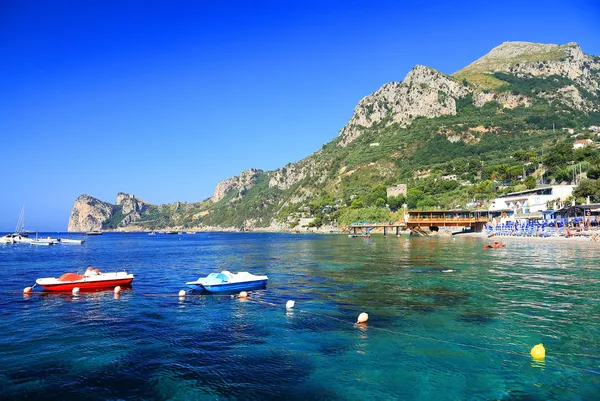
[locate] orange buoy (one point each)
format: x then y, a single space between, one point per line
27 290
243 294
363 317
118 289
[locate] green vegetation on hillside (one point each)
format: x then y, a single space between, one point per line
452 161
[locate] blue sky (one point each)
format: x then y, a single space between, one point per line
165 99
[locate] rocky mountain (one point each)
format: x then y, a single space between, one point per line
452 138
240 183
88 214
424 92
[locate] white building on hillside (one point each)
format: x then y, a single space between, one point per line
582 143
531 200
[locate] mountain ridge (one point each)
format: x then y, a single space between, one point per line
397 134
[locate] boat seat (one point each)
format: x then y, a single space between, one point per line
70 277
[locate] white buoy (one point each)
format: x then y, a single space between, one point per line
27 290
118 289
182 293
448 271
75 291
363 317
243 294
290 304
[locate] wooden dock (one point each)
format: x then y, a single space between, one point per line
431 220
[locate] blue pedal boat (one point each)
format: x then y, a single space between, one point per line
228 282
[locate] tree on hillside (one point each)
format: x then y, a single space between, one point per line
559 155
594 172
530 182
587 188
396 202
378 192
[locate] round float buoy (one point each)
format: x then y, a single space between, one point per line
75 291
117 289
538 351
363 317
290 304
182 293
27 290
243 294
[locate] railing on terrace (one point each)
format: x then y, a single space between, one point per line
448 219
384 223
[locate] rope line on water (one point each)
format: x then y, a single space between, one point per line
509 352
396 332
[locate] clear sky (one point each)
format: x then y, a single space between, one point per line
163 99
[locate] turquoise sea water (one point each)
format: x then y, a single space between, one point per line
463 335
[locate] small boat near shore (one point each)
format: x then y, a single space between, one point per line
92 279
495 244
95 232
228 282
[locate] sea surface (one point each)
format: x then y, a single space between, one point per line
432 334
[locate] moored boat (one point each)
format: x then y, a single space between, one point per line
51 241
41 243
92 279
7 239
71 241
228 282
95 232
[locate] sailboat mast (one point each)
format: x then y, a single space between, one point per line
21 222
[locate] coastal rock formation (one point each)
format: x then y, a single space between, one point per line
240 183
425 92
88 214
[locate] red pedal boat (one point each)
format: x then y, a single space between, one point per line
92 279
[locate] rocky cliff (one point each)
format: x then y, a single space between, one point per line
130 207
424 92
240 183
428 93
88 214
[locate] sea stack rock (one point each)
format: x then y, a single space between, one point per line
88 214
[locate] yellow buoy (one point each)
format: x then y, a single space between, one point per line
27 290
363 317
538 351
243 294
